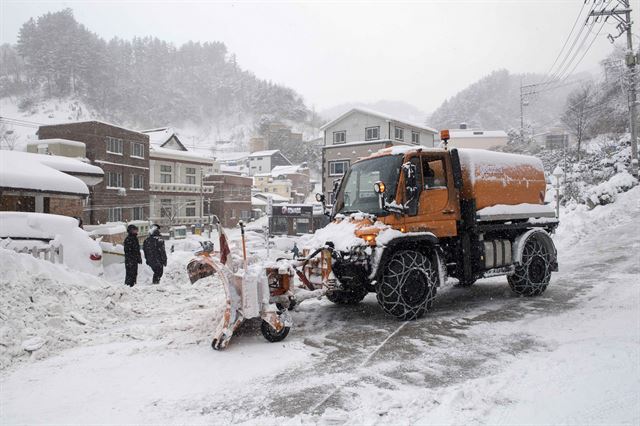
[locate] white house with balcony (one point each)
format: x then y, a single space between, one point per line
178 194
360 132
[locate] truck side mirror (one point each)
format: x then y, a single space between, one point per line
336 185
456 169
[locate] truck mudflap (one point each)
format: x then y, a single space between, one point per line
544 237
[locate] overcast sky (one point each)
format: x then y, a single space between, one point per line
335 52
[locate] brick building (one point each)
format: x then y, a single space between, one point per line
123 154
231 198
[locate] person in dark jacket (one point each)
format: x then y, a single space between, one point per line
132 255
154 253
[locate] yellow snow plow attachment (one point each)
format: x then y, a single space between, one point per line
263 290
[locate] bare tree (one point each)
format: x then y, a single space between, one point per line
579 112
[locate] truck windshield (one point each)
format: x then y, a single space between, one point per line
356 192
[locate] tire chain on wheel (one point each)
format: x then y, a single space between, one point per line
521 281
395 275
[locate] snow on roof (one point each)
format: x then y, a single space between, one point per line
264 153
159 136
22 170
274 197
230 155
378 114
69 165
255 201
477 134
106 123
285 170
160 152
56 141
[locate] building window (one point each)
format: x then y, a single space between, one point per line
137 213
190 209
415 138
166 207
114 180
191 175
245 215
399 133
137 181
338 168
43 149
340 137
137 150
372 133
114 145
115 214
165 173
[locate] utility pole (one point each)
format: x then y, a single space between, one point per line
521 113
623 16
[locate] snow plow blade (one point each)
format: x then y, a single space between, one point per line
198 269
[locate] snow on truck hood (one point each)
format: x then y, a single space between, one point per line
343 232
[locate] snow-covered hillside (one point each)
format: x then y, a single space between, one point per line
142 355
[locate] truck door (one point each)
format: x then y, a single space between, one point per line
436 205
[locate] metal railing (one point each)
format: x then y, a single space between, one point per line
48 253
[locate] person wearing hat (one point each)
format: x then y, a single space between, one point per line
155 253
132 256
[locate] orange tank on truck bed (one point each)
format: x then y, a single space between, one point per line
492 178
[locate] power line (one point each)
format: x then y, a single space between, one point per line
567 39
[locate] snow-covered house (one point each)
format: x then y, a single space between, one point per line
289 181
360 132
178 194
45 183
265 161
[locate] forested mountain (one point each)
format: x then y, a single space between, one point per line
143 82
493 103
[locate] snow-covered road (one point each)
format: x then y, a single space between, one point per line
482 355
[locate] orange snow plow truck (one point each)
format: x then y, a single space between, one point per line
407 217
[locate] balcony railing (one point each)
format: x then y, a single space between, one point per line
180 187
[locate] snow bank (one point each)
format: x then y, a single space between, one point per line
606 192
61 308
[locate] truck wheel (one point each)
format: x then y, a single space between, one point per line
347 297
408 285
271 334
532 276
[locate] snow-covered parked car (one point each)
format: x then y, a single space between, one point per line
20 230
